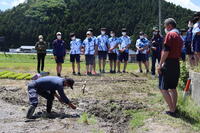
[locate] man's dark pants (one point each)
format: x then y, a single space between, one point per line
40 58
33 96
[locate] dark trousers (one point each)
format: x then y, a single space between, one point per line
33 93
40 58
50 97
154 59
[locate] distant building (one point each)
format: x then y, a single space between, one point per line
27 49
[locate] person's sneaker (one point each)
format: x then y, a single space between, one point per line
59 75
114 71
30 112
94 72
79 74
74 73
89 73
124 71
111 71
103 71
141 71
173 114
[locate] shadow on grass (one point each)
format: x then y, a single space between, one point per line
185 116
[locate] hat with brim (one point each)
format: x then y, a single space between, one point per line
124 30
58 33
72 34
103 29
88 33
141 33
90 29
155 29
70 82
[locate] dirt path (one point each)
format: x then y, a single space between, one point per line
106 99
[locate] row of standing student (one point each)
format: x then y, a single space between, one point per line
116 48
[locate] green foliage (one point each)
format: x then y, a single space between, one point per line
29 77
24 23
184 75
189 111
13 75
6 75
23 76
85 118
138 117
4 72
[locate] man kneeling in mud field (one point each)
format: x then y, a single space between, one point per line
48 87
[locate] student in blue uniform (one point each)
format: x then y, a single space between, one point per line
95 39
196 38
124 44
142 45
90 50
59 52
102 41
188 44
183 37
48 87
113 42
75 52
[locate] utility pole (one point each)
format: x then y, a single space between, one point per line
160 15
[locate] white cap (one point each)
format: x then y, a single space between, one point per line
40 36
58 33
88 32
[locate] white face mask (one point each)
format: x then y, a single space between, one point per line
73 38
141 37
123 33
112 35
166 31
59 37
190 25
41 40
103 32
155 33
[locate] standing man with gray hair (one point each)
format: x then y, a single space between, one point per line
41 47
169 66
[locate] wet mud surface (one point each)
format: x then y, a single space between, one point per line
106 99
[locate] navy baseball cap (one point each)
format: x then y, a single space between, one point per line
70 82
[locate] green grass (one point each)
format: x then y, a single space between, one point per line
189 111
138 117
87 119
24 63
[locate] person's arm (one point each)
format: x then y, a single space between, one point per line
128 46
96 50
165 52
45 45
83 47
138 46
65 49
59 98
64 98
54 49
36 46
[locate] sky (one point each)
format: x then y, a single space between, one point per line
190 4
